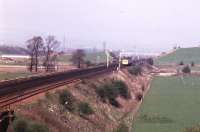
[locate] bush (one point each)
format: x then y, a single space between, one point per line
111 91
107 91
192 63
101 92
135 70
88 63
20 125
181 63
150 61
114 102
85 109
67 99
186 69
122 88
122 128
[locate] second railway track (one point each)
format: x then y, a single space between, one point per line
18 90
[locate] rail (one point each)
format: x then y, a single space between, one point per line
21 89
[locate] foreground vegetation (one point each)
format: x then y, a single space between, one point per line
171 106
25 125
110 91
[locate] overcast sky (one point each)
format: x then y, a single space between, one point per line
149 25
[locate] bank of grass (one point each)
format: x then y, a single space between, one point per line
187 55
172 105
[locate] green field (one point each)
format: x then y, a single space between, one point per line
187 55
172 104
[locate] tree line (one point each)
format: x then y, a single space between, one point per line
43 52
37 47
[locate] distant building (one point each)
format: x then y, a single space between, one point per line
15 56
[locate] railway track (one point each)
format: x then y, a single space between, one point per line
20 89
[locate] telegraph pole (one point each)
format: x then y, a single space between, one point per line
104 46
107 58
119 65
64 42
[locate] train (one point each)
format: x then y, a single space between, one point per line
128 61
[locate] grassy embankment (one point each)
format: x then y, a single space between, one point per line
187 55
171 105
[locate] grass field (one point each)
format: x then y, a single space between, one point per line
9 75
172 104
187 55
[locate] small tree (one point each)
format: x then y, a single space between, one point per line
35 47
78 57
85 109
150 61
135 70
181 63
192 64
49 49
186 69
66 99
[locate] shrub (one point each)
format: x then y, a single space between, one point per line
114 102
112 90
122 88
88 63
101 92
150 61
181 63
20 125
186 69
122 128
67 99
192 63
135 70
107 91
85 109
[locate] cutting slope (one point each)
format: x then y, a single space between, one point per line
187 55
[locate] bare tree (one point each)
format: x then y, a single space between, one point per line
78 57
34 46
49 49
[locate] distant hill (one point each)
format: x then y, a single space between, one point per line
187 55
16 50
